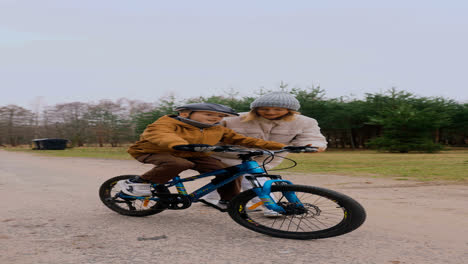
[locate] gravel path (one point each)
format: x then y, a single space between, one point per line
51 214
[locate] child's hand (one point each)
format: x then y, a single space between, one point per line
206 148
195 147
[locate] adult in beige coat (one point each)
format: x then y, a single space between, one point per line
273 117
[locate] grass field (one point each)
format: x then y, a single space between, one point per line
85 152
451 165
443 166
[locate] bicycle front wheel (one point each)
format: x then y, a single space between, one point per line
321 213
109 193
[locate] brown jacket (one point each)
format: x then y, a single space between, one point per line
167 132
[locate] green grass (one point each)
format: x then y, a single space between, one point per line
449 165
85 152
443 166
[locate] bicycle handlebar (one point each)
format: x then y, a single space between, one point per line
233 148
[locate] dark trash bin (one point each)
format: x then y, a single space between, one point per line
50 143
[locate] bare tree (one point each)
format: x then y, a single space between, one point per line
68 121
16 125
109 122
37 105
133 109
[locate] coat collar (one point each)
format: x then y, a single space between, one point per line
263 120
268 121
193 124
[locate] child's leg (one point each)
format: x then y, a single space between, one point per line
207 164
166 167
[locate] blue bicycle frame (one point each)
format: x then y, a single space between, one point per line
246 167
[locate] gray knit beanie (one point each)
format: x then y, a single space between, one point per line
276 99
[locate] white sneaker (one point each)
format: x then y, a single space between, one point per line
217 203
223 204
270 213
135 189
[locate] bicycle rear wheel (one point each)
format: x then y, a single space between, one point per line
109 195
325 213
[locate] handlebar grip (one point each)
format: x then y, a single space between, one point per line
311 149
300 149
183 148
206 148
190 147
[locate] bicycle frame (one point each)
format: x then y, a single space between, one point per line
246 167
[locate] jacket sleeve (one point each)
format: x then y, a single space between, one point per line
232 138
310 135
163 135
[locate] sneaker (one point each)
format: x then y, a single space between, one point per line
270 213
221 204
130 187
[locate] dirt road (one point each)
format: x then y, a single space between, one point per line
51 214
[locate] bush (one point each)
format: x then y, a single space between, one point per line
396 145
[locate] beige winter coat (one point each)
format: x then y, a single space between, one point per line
301 131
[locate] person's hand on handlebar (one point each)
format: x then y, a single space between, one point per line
303 149
206 148
195 147
319 149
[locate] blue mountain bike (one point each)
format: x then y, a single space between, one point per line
304 212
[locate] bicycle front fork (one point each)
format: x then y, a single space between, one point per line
268 200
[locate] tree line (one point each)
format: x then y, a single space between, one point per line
395 120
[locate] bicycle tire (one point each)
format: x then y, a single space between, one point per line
328 213
131 207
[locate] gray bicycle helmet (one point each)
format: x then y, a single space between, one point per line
218 108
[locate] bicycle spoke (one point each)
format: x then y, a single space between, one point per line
306 220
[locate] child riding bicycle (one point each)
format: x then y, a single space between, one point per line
196 123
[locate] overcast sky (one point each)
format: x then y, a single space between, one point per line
64 51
